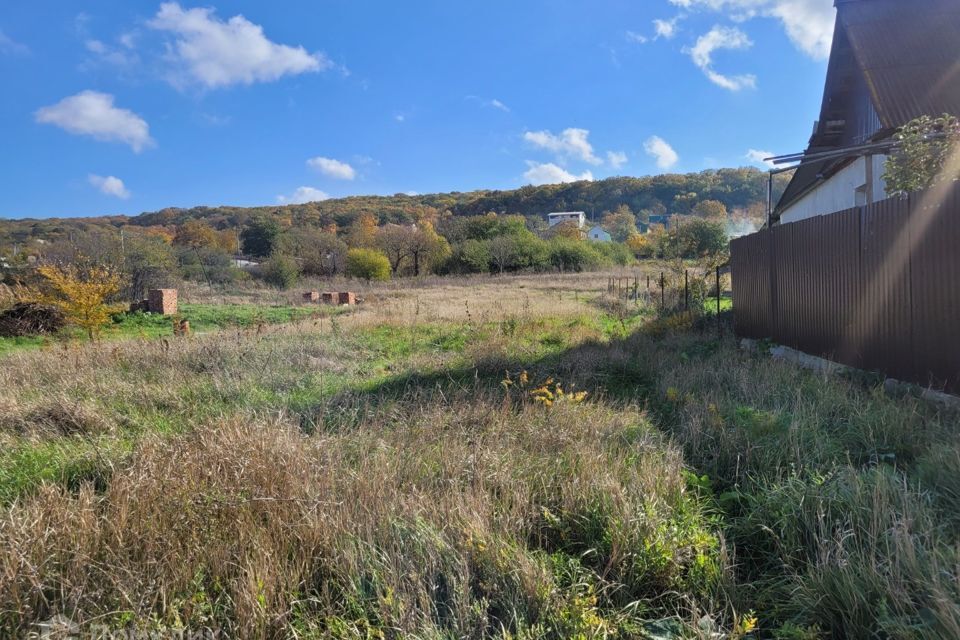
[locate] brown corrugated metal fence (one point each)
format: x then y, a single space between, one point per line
876 287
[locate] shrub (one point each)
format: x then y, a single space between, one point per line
925 145
616 252
567 254
473 256
368 264
696 238
209 265
280 271
81 294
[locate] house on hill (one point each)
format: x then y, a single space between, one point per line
567 216
599 234
892 61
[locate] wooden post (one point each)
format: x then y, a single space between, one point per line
663 292
719 328
686 290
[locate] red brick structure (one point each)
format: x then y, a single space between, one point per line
330 297
347 297
163 301
311 296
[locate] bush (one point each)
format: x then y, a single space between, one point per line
567 254
925 146
211 265
616 252
696 238
368 264
280 271
473 256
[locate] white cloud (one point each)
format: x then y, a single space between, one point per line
400 117
332 168
217 53
109 185
659 149
571 142
549 173
92 114
638 38
722 38
10 46
117 56
756 156
304 195
808 23
496 104
128 39
666 28
616 159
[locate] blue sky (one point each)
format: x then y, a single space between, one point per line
124 106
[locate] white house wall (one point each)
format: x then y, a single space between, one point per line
839 192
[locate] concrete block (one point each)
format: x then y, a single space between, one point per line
330 297
311 296
347 297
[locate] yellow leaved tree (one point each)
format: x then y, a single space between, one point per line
81 294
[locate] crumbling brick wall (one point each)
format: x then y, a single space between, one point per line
163 301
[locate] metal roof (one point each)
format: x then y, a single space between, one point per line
892 61
909 52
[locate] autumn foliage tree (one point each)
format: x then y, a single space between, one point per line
710 210
81 294
620 224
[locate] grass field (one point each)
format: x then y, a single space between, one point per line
203 317
513 457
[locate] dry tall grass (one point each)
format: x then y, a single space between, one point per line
370 476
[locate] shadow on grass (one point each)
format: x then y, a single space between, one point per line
617 372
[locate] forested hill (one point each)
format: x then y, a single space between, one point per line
738 189
671 193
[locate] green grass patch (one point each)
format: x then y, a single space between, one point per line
202 317
9 345
67 462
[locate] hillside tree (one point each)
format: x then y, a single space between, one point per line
620 224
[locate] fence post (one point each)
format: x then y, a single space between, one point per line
686 290
663 292
719 328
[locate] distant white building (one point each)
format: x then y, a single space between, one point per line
599 235
568 216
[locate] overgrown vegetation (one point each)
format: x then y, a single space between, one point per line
479 232
926 154
456 461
